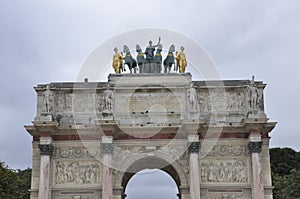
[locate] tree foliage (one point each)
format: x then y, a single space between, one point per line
285 165
14 184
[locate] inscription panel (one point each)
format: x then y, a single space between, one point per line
143 102
228 195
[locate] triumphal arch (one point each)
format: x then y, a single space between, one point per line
211 137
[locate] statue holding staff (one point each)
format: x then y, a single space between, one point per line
149 52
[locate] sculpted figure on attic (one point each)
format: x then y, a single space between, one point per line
107 99
47 100
254 96
117 61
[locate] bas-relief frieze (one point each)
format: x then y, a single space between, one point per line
77 172
224 170
78 102
241 102
76 152
230 101
224 150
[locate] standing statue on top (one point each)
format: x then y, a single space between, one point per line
253 95
193 99
117 63
150 62
47 100
107 99
181 62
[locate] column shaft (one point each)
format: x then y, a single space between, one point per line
44 177
107 177
107 151
194 176
258 187
255 146
193 149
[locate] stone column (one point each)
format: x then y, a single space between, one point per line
255 146
107 151
193 149
46 149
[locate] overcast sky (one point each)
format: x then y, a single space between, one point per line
48 41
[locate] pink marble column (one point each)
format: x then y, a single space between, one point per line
107 150
194 147
46 150
255 146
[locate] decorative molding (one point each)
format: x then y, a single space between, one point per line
255 147
80 103
107 148
224 171
194 147
46 149
76 152
224 150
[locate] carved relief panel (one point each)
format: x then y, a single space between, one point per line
224 171
77 172
76 166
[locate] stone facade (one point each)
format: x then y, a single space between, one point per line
212 137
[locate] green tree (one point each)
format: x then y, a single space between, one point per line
283 160
287 187
285 165
9 183
25 176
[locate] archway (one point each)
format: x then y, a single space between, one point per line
151 163
151 183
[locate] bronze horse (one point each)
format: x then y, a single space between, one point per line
129 60
169 60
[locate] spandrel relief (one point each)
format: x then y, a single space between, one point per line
75 172
224 171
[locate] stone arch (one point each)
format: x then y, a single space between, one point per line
142 161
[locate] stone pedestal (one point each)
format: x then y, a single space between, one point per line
194 147
46 150
107 150
255 146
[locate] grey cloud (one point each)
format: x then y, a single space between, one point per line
46 41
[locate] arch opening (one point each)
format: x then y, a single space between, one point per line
151 183
150 165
